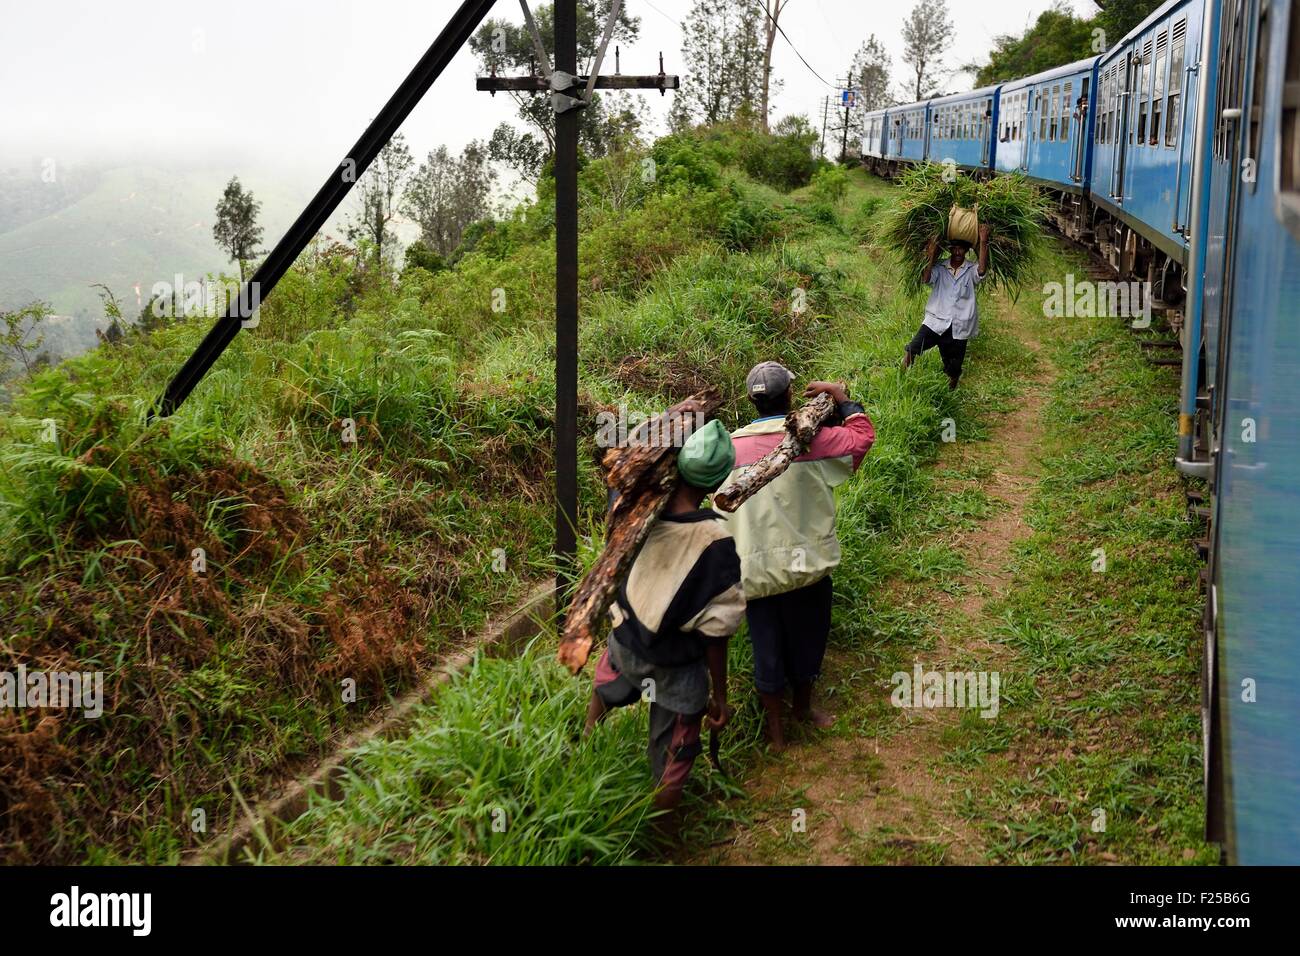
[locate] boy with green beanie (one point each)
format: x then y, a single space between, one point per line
672 617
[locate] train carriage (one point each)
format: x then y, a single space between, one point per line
1045 125
875 127
1141 170
908 132
962 129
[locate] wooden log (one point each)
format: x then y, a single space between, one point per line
644 472
801 426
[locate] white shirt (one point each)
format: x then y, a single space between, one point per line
952 300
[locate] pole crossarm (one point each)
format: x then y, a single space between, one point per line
541 84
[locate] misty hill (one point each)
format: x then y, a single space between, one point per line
124 227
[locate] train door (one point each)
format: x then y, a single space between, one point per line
1080 132
1034 106
1125 124
986 127
1184 86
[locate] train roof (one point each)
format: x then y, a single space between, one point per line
973 94
1159 13
1069 69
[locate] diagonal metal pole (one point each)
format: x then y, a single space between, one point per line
543 62
614 11
327 199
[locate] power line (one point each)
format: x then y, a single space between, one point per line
662 14
781 30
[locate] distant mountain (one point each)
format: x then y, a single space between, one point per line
126 227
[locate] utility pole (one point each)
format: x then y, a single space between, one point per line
566 302
826 110
570 93
848 96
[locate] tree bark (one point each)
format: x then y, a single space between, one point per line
801 426
644 473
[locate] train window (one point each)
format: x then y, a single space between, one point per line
1100 132
1116 93
1103 105
1258 84
1289 144
1051 113
1232 29
1158 88
1066 92
1177 64
1108 92
1042 115
1143 91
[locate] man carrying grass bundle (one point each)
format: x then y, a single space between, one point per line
672 619
786 538
951 315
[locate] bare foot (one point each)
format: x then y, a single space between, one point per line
775 737
818 718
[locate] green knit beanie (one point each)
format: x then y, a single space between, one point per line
707 457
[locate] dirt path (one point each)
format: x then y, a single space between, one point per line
889 798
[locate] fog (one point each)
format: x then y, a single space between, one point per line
274 84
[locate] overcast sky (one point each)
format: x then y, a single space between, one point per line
293 82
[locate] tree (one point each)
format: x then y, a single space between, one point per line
379 192
1059 36
503 47
236 229
447 193
869 75
771 21
927 35
1118 17
1056 37
723 64
19 341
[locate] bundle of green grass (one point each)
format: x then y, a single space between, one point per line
1011 208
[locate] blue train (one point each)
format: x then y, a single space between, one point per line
1176 155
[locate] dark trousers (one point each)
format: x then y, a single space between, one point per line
789 632
952 351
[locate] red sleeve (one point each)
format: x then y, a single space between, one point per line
855 437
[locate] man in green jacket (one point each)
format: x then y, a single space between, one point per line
785 535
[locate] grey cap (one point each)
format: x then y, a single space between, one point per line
768 378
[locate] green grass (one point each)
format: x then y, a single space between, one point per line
704 309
